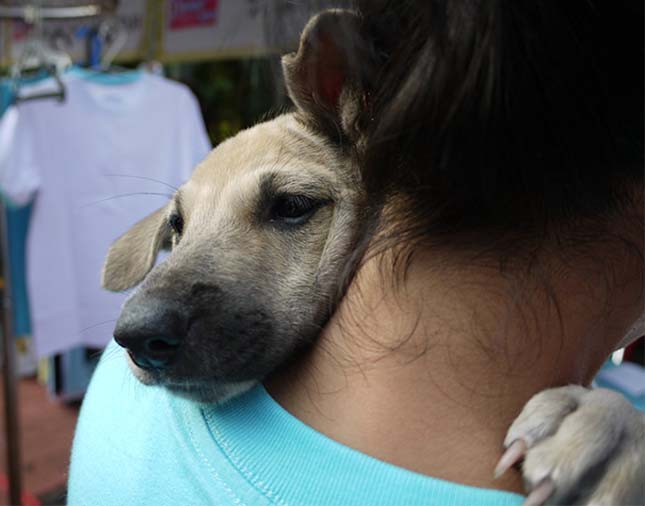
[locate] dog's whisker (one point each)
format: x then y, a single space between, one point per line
97 325
110 354
144 178
167 195
96 354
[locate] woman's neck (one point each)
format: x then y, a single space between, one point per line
430 376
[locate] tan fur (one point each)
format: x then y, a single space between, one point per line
220 196
589 442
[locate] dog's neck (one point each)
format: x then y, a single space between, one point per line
430 376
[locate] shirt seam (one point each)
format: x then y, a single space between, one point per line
248 475
208 464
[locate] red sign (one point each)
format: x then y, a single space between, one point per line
192 13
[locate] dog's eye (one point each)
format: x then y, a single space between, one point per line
294 209
176 222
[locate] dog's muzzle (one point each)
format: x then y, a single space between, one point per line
151 331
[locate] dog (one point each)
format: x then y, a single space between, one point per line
281 209
264 237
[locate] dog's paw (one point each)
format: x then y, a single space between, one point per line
580 446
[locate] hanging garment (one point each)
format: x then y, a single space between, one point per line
17 226
94 165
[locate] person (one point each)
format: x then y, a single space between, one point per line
507 258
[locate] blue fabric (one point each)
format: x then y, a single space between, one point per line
6 96
107 78
17 228
636 394
140 445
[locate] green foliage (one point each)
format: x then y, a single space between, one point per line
233 94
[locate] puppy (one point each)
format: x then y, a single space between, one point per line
264 236
260 235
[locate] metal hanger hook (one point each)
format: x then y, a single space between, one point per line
115 36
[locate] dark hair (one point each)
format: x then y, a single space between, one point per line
496 118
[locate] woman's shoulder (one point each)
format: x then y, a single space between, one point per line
136 444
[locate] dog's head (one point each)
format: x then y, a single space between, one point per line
261 238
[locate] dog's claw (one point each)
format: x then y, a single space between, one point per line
540 493
513 454
569 431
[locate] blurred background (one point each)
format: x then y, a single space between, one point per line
105 107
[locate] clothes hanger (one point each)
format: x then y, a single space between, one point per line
114 35
37 57
105 42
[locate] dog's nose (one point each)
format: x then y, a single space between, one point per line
151 353
150 331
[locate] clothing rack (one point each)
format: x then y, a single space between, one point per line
29 13
33 13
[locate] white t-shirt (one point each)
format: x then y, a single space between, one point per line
83 161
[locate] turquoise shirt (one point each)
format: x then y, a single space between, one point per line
140 445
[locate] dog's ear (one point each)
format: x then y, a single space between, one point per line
323 77
133 254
